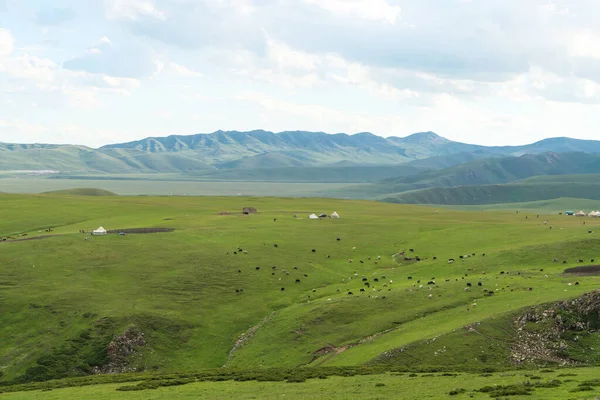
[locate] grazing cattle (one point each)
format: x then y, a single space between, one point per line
237 290
275 245
274 219
592 260
350 260
239 271
362 262
314 251
367 284
362 290
235 252
305 275
450 261
580 261
461 256
272 273
364 279
530 289
295 267
501 272
468 284
419 281
564 261
434 257
257 268
431 283
576 283
350 293
483 255
555 260
328 256
411 250
467 289
382 276
274 267
430 296
338 239
479 284
314 290
542 270
282 289
376 280
418 258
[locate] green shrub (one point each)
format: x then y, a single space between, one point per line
456 392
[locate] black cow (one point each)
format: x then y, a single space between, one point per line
364 279
350 293
257 268
468 284
314 250
479 284
282 289
297 280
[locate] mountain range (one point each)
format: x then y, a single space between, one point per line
260 149
420 168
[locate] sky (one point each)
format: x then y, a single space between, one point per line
478 71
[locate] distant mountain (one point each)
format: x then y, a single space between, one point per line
233 150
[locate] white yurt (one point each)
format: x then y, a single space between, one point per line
580 213
99 232
313 216
335 215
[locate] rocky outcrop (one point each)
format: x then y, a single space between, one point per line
547 339
120 350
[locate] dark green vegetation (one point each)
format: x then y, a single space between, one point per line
264 294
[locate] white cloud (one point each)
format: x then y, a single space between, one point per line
377 10
585 44
6 42
132 10
180 70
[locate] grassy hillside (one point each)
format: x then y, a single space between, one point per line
201 305
496 194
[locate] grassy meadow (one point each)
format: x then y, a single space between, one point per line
269 290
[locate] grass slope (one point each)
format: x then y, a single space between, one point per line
66 295
496 194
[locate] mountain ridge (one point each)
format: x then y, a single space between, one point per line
263 149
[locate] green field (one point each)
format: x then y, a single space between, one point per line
269 290
372 387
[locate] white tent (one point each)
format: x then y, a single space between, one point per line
580 214
98 232
335 215
592 214
313 216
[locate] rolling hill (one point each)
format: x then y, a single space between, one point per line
270 297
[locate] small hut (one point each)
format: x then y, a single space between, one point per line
335 215
313 216
99 232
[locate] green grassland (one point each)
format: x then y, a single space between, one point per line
63 298
561 384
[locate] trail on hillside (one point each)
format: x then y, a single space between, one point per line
244 337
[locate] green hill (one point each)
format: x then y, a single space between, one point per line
267 289
83 192
496 194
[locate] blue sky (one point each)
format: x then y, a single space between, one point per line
481 71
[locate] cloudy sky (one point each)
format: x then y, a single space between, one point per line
480 71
